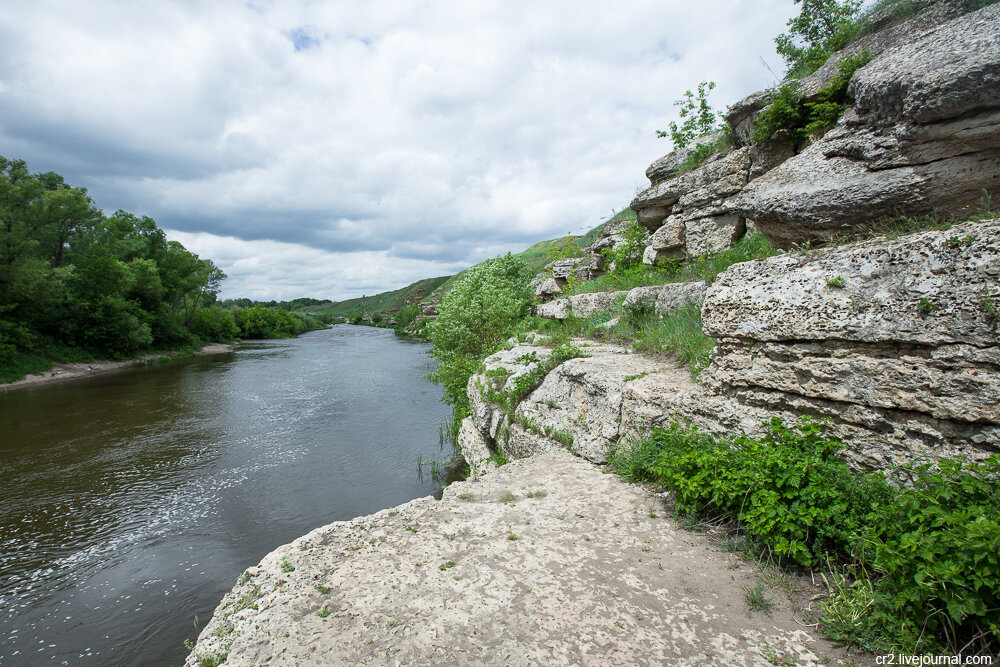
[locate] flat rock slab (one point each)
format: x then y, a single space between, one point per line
574 569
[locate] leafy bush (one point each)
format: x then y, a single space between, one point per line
264 322
786 488
938 551
925 559
214 323
783 118
789 116
475 319
699 118
627 254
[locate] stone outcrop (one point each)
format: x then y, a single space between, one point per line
695 208
474 449
663 299
923 135
881 32
547 561
896 341
579 305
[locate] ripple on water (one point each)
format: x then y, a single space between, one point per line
128 521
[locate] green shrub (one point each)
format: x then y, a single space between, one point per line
937 549
475 319
699 118
789 116
627 255
783 118
786 488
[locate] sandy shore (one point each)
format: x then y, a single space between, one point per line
63 372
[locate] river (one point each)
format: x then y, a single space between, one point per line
131 502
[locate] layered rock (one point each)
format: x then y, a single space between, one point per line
896 341
663 299
923 136
881 32
694 209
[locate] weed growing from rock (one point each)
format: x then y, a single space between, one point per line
757 600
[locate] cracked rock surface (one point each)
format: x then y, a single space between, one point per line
593 577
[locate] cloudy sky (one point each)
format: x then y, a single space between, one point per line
339 148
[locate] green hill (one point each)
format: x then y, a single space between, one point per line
431 289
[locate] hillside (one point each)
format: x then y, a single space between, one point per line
430 290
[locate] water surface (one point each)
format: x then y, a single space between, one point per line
130 502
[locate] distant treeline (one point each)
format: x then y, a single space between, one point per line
76 283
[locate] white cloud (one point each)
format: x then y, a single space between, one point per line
396 132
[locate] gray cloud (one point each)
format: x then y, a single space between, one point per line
354 147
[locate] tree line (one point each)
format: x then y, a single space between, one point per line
76 283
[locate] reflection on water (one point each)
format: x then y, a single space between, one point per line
129 503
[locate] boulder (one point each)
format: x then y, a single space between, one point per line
709 235
923 136
669 237
579 305
579 402
664 299
548 288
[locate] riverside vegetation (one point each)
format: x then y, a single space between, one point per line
78 284
913 568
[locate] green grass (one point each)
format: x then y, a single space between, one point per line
385 302
703 267
678 333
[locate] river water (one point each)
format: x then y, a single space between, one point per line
131 502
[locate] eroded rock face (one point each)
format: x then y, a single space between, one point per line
474 449
578 305
664 299
693 213
895 341
924 135
579 402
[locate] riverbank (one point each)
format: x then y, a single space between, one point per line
74 371
546 560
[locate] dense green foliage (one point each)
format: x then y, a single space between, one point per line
821 28
936 554
475 319
790 116
72 278
266 322
699 119
926 558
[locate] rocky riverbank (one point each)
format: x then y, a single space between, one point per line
547 560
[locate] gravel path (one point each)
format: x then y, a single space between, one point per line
576 568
